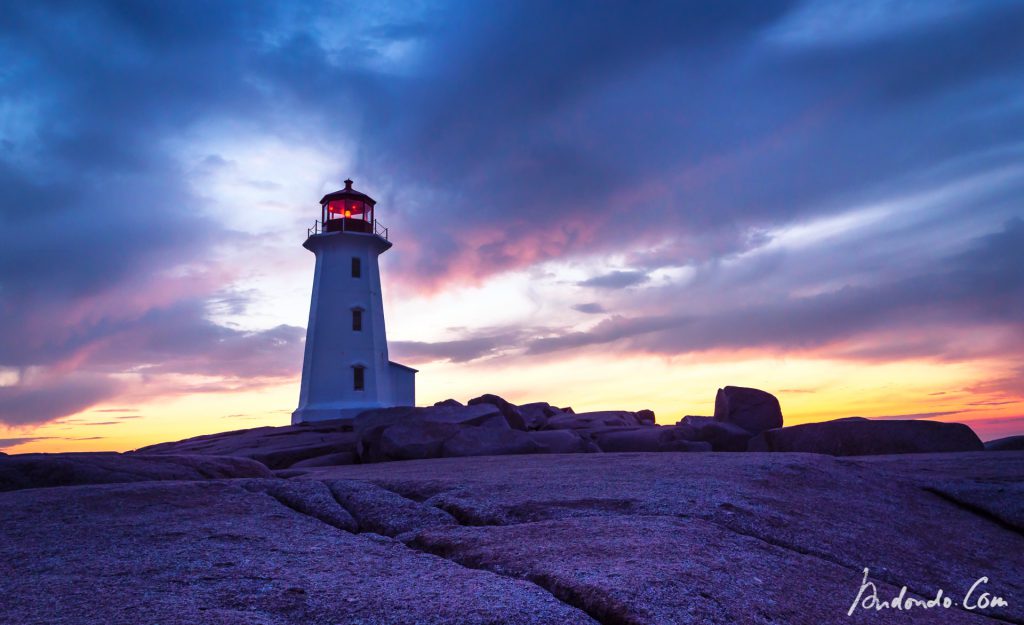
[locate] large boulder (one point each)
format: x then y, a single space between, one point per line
752 409
480 428
1010 443
463 416
722 436
435 424
863 437
489 441
508 410
562 442
72 469
369 426
535 415
593 420
646 439
566 421
412 440
448 402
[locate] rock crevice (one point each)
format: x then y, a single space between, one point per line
602 614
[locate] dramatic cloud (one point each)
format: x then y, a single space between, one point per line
982 285
106 256
708 123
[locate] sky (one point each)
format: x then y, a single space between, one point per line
603 205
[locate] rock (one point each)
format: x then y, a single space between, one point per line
306 497
646 439
412 440
645 417
478 414
448 403
287 458
726 538
436 423
489 441
562 442
590 420
1010 443
566 421
287 474
329 460
181 553
985 483
371 424
376 509
584 538
721 435
44 470
752 409
848 437
276 447
508 410
1003 501
654 570
536 414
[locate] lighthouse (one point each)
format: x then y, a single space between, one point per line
345 369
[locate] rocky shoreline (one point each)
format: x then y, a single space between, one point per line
745 419
534 514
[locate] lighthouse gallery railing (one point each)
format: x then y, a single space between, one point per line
318 228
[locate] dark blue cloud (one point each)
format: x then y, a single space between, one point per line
615 280
604 129
39 401
982 286
96 212
478 344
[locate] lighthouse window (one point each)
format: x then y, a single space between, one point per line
358 378
357 267
357 319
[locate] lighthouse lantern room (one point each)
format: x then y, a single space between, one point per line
347 210
345 368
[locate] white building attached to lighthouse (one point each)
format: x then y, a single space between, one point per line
346 369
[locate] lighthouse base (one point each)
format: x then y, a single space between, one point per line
315 413
402 393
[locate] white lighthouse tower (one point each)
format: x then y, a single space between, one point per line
346 368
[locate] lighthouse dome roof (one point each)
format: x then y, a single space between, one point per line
348 193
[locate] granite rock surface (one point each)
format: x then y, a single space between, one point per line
605 538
